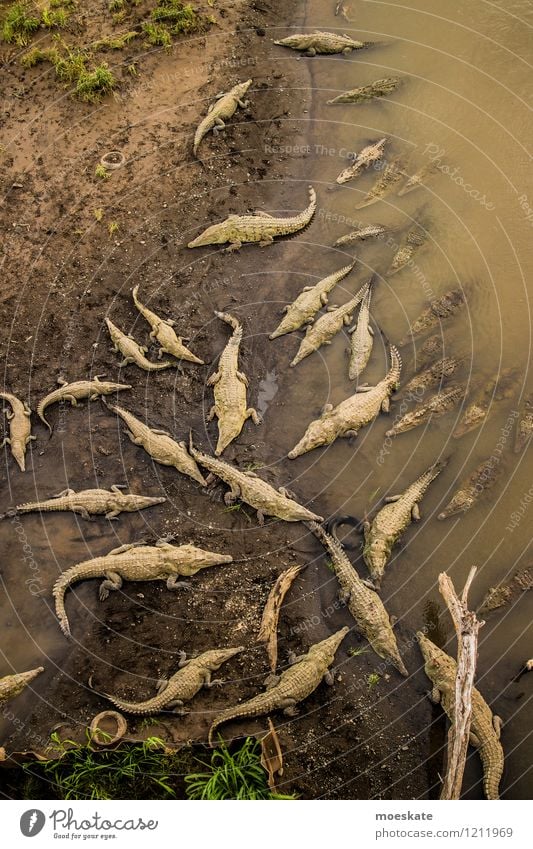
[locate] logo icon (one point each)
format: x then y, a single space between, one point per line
32 822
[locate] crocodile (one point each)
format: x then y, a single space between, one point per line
384 185
328 325
13 685
362 339
250 488
434 375
432 347
89 502
132 351
524 427
417 179
379 88
360 235
224 107
296 683
313 43
362 600
348 417
404 254
439 309
159 562
229 387
163 332
485 727
193 674
309 301
160 445
483 477
19 428
439 404
497 389
261 227
369 155
382 534
80 389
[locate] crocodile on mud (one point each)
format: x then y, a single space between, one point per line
371 230
483 477
524 427
417 179
295 684
362 600
132 352
348 417
443 402
379 88
497 389
485 727
163 332
89 502
382 534
432 347
404 254
316 43
224 107
369 155
159 562
193 674
252 490
361 339
260 227
384 185
13 685
444 307
328 325
434 375
229 387
74 392
309 301
19 429
160 445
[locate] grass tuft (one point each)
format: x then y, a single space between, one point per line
19 25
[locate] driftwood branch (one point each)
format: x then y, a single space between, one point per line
467 627
268 632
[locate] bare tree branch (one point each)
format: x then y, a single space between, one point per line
268 632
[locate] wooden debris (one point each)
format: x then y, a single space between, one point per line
268 632
271 755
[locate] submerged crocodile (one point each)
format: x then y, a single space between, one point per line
367 156
384 185
295 684
160 445
435 374
328 325
13 685
379 88
363 602
392 520
485 727
193 674
132 351
309 301
159 562
261 227
360 235
483 477
229 387
362 339
90 502
439 309
497 389
74 392
404 254
313 43
439 404
251 489
524 427
19 428
224 107
432 347
348 417
163 332
417 179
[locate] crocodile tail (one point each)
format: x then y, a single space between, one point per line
491 754
59 590
396 362
202 130
233 322
227 716
40 412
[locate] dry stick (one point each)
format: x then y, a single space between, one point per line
268 632
467 627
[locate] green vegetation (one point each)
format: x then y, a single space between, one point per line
117 43
372 680
70 65
91 86
179 18
19 24
157 35
101 172
356 652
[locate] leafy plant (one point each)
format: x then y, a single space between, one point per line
19 24
101 172
157 35
356 652
372 680
92 85
51 18
113 227
98 213
179 17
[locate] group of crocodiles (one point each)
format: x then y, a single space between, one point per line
169 563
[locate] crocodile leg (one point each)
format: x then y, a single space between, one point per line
474 740
212 682
242 377
183 661
125 547
177 706
385 405
329 678
113 514
415 513
289 707
112 582
265 241
234 246
161 685
84 514
219 125
253 415
5 441
390 499
434 695
72 399
271 680
214 378
231 496
497 724
174 584
116 487
212 413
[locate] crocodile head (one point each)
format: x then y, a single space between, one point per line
229 428
241 89
190 559
376 555
18 450
325 651
320 432
213 659
439 665
217 234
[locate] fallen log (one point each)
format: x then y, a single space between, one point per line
268 632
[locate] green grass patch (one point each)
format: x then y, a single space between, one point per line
19 24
